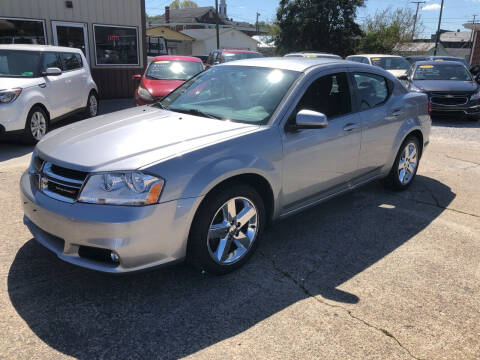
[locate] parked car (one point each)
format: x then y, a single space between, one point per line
163 75
451 88
40 84
313 55
221 56
413 59
394 64
200 174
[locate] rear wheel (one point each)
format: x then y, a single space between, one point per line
226 229
405 166
91 109
36 125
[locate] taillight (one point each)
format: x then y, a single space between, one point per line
429 107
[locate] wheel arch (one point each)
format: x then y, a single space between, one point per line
43 107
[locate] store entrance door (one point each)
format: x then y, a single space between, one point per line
71 34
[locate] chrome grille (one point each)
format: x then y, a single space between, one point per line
449 99
61 183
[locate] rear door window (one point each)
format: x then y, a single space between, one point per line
71 61
372 89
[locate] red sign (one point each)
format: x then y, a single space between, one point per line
113 37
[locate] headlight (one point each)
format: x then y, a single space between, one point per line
475 96
122 188
8 96
145 94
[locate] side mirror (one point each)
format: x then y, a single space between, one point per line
52 71
403 77
137 77
308 119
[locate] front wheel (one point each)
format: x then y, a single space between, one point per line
226 229
405 166
36 125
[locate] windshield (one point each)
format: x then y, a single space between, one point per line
227 56
237 93
442 72
464 62
15 63
173 70
391 63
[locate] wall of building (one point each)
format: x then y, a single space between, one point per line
89 12
476 49
232 39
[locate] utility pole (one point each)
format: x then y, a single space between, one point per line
216 26
471 40
416 16
437 38
257 27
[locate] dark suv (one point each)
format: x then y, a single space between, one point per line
221 56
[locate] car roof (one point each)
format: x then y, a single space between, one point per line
239 51
376 55
178 58
289 63
311 53
433 62
29 47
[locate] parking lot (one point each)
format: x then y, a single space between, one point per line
373 274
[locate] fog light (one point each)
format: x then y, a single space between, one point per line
114 257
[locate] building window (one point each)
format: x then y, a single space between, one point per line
22 31
116 45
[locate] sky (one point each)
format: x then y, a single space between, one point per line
455 12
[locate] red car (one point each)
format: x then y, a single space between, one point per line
163 75
222 56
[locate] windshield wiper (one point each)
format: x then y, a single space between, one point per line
196 112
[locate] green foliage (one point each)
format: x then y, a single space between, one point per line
317 25
177 4
387 28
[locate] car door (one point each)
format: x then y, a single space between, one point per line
381 113
55 86
73 80
318 162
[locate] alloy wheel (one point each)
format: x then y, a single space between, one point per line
408 163
93 105
232 231
38 125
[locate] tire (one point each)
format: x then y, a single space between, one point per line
91 110
36 126
213 229
400 180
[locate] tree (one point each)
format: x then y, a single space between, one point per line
386 29
317 25
177 4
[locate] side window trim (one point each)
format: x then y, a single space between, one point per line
356 90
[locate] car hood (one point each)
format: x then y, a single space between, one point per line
13 82
445 85
133 138
397 73
160 88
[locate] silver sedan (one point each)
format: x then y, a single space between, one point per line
199 175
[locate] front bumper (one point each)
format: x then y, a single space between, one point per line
142 237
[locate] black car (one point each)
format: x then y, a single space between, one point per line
449 85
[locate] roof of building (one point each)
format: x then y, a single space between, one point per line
186 15
456 36
168 34
414 47
204 34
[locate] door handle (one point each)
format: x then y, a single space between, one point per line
350 127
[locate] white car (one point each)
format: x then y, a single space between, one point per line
40 84
313 55
394 64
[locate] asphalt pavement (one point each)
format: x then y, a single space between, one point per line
373 274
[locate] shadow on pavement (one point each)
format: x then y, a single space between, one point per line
454 123
177 311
